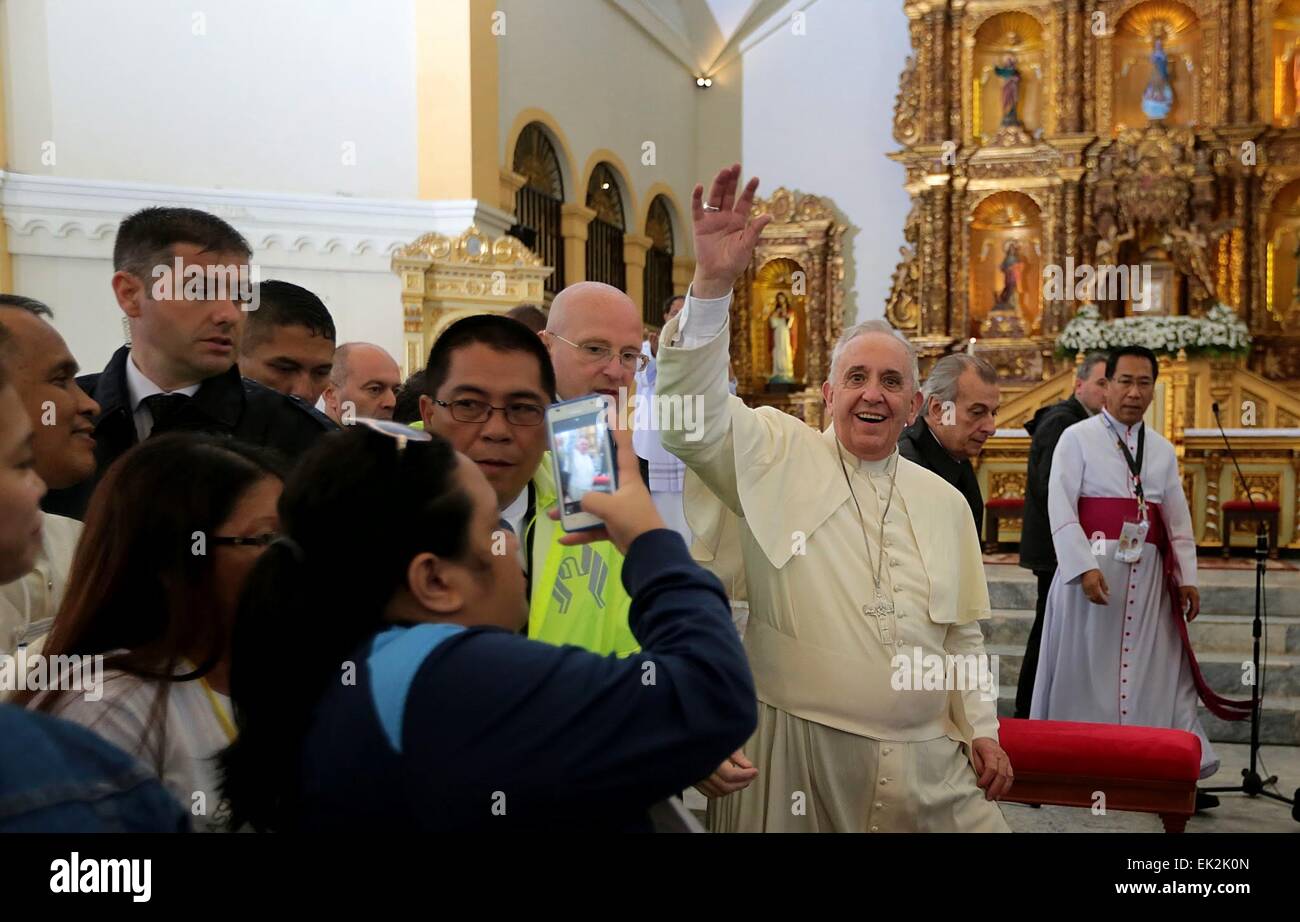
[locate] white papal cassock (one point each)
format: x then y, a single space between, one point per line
1120 663
838 747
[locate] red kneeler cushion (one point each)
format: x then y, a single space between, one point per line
1238 505
1005 502
1061 747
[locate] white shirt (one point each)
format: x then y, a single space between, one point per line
513 514
581 477
192 737
138 387
28 604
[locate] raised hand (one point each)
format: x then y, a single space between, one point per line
725 237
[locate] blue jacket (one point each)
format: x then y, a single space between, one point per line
451 728
56 776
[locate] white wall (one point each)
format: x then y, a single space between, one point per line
818 117
365 306
265 99
608 85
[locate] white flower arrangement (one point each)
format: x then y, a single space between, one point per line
1220 331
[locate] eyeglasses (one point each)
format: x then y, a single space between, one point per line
599 354
466 410
240 541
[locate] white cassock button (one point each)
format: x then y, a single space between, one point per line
875 829
886 751
880 803
893 561
884 781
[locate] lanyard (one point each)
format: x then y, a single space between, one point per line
1134 466
218 711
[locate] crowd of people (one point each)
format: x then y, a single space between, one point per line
275 586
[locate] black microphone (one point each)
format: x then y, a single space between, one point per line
1214 408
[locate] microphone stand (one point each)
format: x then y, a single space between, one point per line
1252 785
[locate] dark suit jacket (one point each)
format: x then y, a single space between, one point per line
917 443
1037 552
227 403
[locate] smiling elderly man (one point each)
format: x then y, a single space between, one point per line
856 560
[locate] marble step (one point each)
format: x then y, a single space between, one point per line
1223 670
1222 591
1209 632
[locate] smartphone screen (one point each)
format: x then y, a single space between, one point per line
583 457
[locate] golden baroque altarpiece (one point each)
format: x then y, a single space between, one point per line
1043 135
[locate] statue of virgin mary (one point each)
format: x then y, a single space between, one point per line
781 322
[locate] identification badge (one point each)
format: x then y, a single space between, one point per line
1131 539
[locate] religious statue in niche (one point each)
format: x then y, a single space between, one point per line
1109 241
1004 320
1012 268
1010 75
1158 98
1189 248
784 335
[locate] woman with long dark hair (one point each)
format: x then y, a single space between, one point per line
380 681
171 534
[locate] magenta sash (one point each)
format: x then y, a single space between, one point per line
1107 515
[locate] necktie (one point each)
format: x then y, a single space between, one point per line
164 408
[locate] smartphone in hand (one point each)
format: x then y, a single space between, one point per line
582 453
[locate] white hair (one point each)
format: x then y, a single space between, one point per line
877 325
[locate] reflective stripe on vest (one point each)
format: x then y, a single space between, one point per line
578 598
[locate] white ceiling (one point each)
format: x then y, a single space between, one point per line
705 34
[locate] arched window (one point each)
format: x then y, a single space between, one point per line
605 233
659 260
539 200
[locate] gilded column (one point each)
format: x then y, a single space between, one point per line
1243 108
1213 514
1088 98
1068 67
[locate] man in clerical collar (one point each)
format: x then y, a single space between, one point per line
1114 648
961 398
861 568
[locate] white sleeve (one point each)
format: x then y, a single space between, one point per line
1073 550
978 705
701 320
123 716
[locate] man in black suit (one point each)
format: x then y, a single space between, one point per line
1037 553
961 398
182 279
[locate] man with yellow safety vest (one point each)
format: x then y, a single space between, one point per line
488 382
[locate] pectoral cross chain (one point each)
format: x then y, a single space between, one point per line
883 612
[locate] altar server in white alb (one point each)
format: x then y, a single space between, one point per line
855 558
1115 647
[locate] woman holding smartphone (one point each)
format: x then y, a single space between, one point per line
410 700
